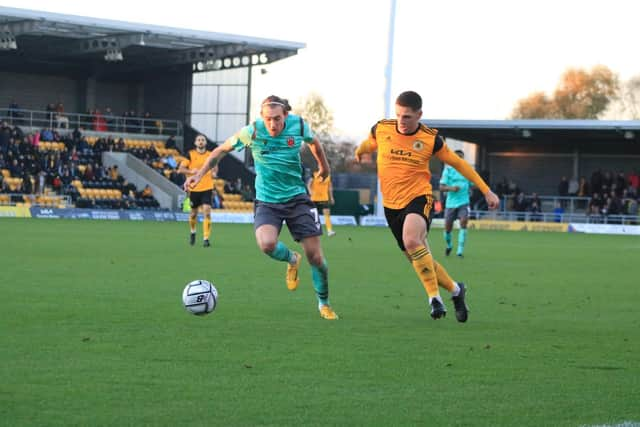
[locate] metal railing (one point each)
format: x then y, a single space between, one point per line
91 122
558 217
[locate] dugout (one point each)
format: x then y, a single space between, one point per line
199 78
536 154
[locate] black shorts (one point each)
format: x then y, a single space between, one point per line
199 198
299 213
321 205
421 205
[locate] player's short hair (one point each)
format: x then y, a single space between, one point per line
273 100
410 99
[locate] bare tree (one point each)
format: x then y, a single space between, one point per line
320 118
627 103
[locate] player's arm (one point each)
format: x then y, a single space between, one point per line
212 161
369 145
318 153
444 183
184 167
459 164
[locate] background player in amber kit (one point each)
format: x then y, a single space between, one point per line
404 147
321 192
200 194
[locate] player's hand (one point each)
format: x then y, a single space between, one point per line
190 183
455 189
492 200
323 172
358 157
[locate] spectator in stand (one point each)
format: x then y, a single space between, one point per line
595 204
46 135
535 208
170 161
171 142
147 192
216 199
109 119
607 182
563 190
99 123
41 182
520 205
228 187
620 184
114 173
61 119
634 181
88 174
247 193
27 184
574 186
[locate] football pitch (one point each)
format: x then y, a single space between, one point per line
93 331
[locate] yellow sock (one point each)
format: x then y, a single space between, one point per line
192 223
444 280
422 262
327 219
206 227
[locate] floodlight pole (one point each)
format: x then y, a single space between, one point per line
388 73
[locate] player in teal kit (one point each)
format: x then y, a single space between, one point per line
281 194
456 205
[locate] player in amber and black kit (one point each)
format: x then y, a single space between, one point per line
200 194
404 147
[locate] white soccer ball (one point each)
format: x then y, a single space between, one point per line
200 297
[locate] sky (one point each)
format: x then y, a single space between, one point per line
468 59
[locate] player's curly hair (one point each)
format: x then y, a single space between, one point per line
410 99
272 100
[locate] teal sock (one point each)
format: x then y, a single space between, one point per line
320 277
447 239
462 238
281 252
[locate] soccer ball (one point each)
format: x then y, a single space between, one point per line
200 297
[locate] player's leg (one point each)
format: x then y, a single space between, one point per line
206 225
195 200
463 217
304 224
319 275
268 223
448 226
193 221
326 212
414 238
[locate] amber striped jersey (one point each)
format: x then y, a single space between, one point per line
403 161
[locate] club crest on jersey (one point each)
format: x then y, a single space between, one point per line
290 141
418 145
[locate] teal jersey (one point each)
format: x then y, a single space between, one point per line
277 158
453 178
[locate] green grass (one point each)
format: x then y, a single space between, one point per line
92 331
